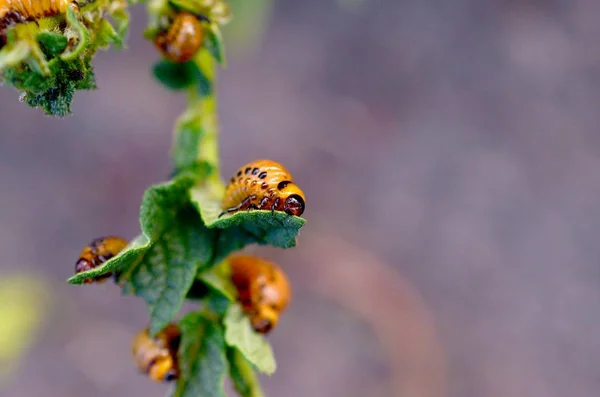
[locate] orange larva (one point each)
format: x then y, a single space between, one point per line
182 40
263 290
96 253
263 185
157 357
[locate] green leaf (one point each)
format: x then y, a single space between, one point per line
175 76
202 358
189 5
83 33
179 245
12 55
121 19
254 347
179 76
52 43
214 285
214 44
242 375
244 227
218 278
107 35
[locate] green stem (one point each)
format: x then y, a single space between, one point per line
196 138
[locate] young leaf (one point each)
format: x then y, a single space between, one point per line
121 21
84 36
201 357
214 44
107 35
219 279
175 76
52 43
242 374
254 347
190 5
179 245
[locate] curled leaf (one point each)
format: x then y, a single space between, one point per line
254 347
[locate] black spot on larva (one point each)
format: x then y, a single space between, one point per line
264 185
239 173
255 171
262 175
247 170
232 179
281 185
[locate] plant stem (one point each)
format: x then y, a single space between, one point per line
196 138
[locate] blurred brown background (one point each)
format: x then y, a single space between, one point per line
450 155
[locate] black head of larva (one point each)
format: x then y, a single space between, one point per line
263 326
171 375
294 205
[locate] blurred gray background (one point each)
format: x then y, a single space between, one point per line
451 163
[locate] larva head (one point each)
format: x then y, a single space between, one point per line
83 265
162 369
292 197
157 357
264 320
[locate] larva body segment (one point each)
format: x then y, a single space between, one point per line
263 290
34 9
157 357
96 253
263 185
